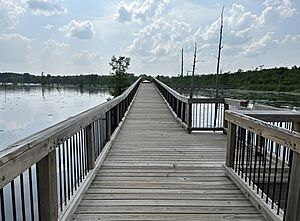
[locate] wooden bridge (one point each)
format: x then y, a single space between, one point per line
152 154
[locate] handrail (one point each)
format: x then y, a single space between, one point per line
82 137
264 161
198 113
172 91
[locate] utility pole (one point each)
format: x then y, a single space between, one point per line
193 72
218 65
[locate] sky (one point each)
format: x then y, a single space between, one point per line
69 37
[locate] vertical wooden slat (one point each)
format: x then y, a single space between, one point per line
108 125
182 112
293 201
225 122
118 114
89 143
230 145
47 187
189 118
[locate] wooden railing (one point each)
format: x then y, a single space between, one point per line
43 176
263 159
198 113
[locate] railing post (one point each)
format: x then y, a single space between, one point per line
118 114
108 124
47 187
177 108
225 122
182 114
89 142
231 136
189 117
293 201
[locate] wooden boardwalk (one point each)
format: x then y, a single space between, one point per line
157 171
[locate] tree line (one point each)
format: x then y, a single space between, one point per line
50 80
273 79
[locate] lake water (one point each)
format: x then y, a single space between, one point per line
25 110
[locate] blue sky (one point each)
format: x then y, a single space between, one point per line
63 37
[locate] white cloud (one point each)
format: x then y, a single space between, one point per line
257 47
53 49
79 29
49 26
160 40
10 11
288 38
244 31
86 57
285 8
14 48
45 7
138 11
54 45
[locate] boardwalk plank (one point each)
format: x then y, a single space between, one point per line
156 171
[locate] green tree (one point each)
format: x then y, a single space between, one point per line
120 80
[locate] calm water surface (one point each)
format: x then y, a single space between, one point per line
25 110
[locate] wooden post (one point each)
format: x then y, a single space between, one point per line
89 142
225 122
118 113
293 201
181 114
47 187
231 135
189 118
108 124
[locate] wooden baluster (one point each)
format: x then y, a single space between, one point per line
108 124
177 108
182 114
292 212
231 136
189 117
47 187
225 122
89 142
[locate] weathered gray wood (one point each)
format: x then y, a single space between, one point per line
108 125
230 145
68 212
225 122
206 100
89 142
20 156
290 139
156 171
273 115
47 187
293 201
173 92
236 102
261 205
169 217
189 118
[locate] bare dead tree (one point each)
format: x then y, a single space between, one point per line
219 52
218 64
181 63
193 72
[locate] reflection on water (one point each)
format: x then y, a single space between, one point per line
25 110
